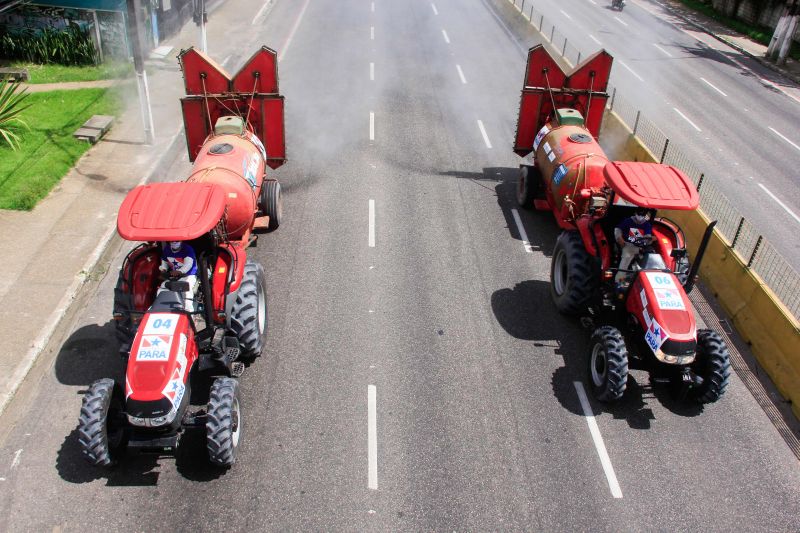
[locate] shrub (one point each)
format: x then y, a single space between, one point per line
10 109
70 46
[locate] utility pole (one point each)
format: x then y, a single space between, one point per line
135 38
782 38
200 17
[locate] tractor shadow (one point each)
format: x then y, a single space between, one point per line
90 353
526 312
538 226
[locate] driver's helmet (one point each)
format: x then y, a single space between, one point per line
175 246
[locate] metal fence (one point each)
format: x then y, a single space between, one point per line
758 253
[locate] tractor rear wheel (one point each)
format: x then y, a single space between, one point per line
527 186
572 279
272 203
249 313
101 426
608 365
223 422
713 364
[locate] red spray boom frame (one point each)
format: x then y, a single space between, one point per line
548 87
252 94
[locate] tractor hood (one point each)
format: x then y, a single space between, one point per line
651 185
179 211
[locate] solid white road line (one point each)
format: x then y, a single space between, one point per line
461 74
372 7
605 460
595 39
372 32
678 111
372 437
446 38
15 462
565 14
372 72
630 69
791 213
435 11
288 40
371 236
712 86
524 236
664 51
779 134
485 137
621 21
261 12
371 126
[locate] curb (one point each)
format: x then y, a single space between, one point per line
55 318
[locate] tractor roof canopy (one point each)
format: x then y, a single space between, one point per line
170 211
651 185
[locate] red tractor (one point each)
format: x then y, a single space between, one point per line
644 311
192 336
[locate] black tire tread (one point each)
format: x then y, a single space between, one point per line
713 364
219 422
616 363
244 314
529 175
272 203
582 283
92 426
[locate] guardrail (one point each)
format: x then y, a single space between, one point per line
755 251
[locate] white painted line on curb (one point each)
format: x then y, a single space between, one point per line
565 14
605 460
267 4
446 38
630 69
372 437
296 25
678 111
621 21
779 134
372 32
371 126
485 137
712 86
372 72
522 234
792 213
595 39
15 462
461 74
435 11
371 236
662 50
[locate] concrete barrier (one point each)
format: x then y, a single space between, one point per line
758 315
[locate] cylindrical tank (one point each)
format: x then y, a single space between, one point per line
569 160
237 164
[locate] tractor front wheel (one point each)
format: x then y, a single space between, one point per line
249 313
101 427
272 203
573 282
223 422
608 365
713 364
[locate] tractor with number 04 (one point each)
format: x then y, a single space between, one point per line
641 314
186 346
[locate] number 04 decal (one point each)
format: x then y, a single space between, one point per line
161 324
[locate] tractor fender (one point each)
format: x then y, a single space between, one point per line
226 278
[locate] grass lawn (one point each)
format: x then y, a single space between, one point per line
52 73
48 151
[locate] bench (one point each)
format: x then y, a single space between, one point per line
13 74
94 128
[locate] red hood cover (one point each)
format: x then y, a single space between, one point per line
652 185
170 211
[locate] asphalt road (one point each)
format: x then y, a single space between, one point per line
736 120
432 305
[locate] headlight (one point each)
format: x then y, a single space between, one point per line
674 359
153 422
136 421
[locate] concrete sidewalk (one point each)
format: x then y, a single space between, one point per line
52 250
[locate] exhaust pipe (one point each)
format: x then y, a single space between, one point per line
700 252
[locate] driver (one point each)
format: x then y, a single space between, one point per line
179 263
631 234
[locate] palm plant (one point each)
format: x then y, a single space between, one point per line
11 106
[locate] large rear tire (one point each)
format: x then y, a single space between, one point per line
573 282
608 364
527 186
272 203
101 427
713 364
249 313
223 422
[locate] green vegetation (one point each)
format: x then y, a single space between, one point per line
47 149
11 107
52 73
761 34
69 46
